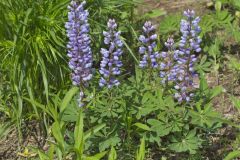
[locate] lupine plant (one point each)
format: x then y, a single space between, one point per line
79 50
149 56
189 44
176 67
147 49
111 57
168 69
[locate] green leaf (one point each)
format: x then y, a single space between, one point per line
232 155
5 129
51 151
215 91
70 114
111 141
143 126
32 98
204 65
170 24
130 51
155 13
207 24
93 130
189 143
42 155
68 97
98 156
28 12
141 151
204 117
161 128
218 6
112 154
203 83
236 102
234 63
55 39
146 97
236 4
145 110
57 133
79 135
169 102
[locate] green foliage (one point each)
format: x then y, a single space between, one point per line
189 142
141 152
5 129
140 109
236 102
170 24
232 155
234 66
112 154
204 65
34 84
154 13
33 52
64 148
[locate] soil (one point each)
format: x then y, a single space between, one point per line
32 136
9 146
176 6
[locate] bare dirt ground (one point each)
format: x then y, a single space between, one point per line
176 6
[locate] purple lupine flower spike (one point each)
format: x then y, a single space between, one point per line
167 66
189 43
111 63
146 50
79 50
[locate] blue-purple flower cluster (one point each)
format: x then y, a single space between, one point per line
147 49
111 63
168 70
79 50
190 43
176 66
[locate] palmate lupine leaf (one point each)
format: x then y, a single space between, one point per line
165 126
111 141
189 142
169 24
204 117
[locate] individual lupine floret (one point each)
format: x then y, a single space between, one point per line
147 49
190 43
111 63
79 50
168 71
